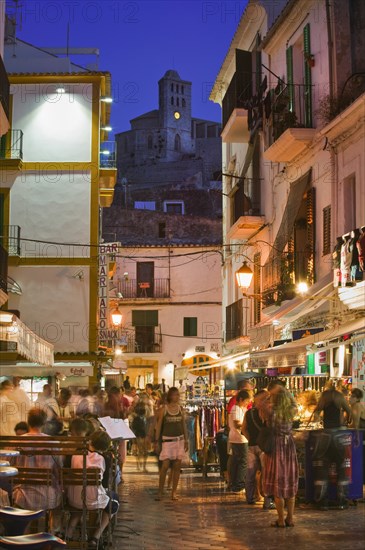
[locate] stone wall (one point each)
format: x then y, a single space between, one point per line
145 227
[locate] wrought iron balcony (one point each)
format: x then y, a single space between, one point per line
10 239
281 275
234 110
157 288
11 145
4 88
144 341
289 126
3 270
108 155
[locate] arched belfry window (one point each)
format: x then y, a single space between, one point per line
183 102
172 100
150 142
177 145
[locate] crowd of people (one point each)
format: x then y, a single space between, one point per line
262 457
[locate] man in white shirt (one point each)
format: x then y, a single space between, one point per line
238 442
20 397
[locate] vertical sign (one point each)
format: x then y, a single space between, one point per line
105 334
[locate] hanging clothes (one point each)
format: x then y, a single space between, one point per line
346 258
360 245
356 274
336 262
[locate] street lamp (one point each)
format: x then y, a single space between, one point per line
244 277
302 288
117 317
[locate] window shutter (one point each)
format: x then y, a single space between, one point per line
326 230
257 287
190 326
145 318
311 236
289 77
307 78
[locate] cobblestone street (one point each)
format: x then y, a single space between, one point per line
208 517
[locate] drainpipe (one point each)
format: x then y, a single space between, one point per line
329 14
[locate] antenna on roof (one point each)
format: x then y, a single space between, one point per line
14 19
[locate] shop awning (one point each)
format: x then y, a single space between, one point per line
28 370
297 189
293 354
22 342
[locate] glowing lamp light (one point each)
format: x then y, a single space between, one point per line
106 99
244 277
60 90
118 352
107 128
105 152
302 288
117 317
231 366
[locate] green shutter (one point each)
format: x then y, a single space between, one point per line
307 77
190 326
289 77
145 318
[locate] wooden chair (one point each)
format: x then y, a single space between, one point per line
85 478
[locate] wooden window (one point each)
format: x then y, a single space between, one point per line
326 230
145 318
234 320
190 326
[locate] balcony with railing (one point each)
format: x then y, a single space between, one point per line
107 172
132 288
4 97
245 208
234 110
10 239
3 275
143 340
11 150
289 127
281 275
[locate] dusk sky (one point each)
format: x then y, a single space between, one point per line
138 42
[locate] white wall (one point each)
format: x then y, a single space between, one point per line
54 304
54 207
194 279
56 127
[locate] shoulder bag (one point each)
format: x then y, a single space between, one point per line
266 438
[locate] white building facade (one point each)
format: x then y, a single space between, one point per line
54 180
170 299
293 155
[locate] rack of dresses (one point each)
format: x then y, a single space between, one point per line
204 417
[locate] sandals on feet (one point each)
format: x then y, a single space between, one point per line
277 525
288 524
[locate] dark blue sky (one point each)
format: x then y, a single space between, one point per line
139 41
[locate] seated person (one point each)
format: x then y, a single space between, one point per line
97 498
38 497
78 428
21 428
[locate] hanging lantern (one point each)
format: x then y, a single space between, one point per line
244 277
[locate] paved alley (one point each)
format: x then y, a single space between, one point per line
206 517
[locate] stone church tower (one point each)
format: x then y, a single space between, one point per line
175 116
